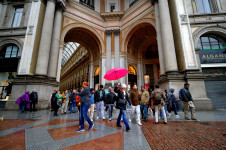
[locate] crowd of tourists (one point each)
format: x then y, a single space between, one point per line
87 100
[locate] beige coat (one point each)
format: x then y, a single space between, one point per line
144 97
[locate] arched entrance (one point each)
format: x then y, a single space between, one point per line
142 49
212 56
82 65
9 59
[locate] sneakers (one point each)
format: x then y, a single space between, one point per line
80 130
139 124
177 116
109 119
97 117
91 120
90 127
103 118
130 120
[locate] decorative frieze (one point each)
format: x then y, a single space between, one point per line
19 31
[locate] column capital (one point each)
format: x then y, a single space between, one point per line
60 6
153 2
116 31
108 32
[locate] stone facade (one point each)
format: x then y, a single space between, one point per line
157 38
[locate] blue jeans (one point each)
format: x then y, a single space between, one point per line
72 107
22 107
165 107
122 114
83 115
144 110
110 109
127 106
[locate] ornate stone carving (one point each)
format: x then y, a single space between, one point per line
116 31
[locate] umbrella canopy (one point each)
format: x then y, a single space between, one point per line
115 74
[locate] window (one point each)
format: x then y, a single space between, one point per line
11 51
210 42
88 3
17 16
112 7
131 2
204 6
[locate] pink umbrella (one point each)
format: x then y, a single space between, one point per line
115 74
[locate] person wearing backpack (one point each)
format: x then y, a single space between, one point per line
185 96
171 103
159 102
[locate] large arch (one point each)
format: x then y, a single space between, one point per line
212 29
133 29
92 32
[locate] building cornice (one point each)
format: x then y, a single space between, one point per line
109 16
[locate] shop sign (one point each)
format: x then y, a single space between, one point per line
212 56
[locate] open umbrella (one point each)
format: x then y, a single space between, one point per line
115 74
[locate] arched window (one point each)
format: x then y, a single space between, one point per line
211 42
10 51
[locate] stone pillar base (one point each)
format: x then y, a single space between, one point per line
197 87
198 90
42 104
44 88
203 104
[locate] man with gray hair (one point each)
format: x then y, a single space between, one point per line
135 107
33 100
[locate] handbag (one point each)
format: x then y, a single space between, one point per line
59 102
122 102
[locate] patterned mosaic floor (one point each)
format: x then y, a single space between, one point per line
40 130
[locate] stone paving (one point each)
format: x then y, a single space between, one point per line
40 130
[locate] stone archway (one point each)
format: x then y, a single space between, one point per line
132 29
139 38
88 38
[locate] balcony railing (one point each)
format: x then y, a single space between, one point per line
87 3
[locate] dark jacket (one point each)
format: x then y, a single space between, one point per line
33 97
186 95
121 96
85 96
72 97
97 97
53 100
134 97
111 98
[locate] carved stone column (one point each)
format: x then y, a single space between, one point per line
45 43
52 68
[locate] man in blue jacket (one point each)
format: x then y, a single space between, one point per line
85 104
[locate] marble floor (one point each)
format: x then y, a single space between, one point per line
40 130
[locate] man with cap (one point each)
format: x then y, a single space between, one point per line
135 107
187 102
144 97
99 98
110 100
